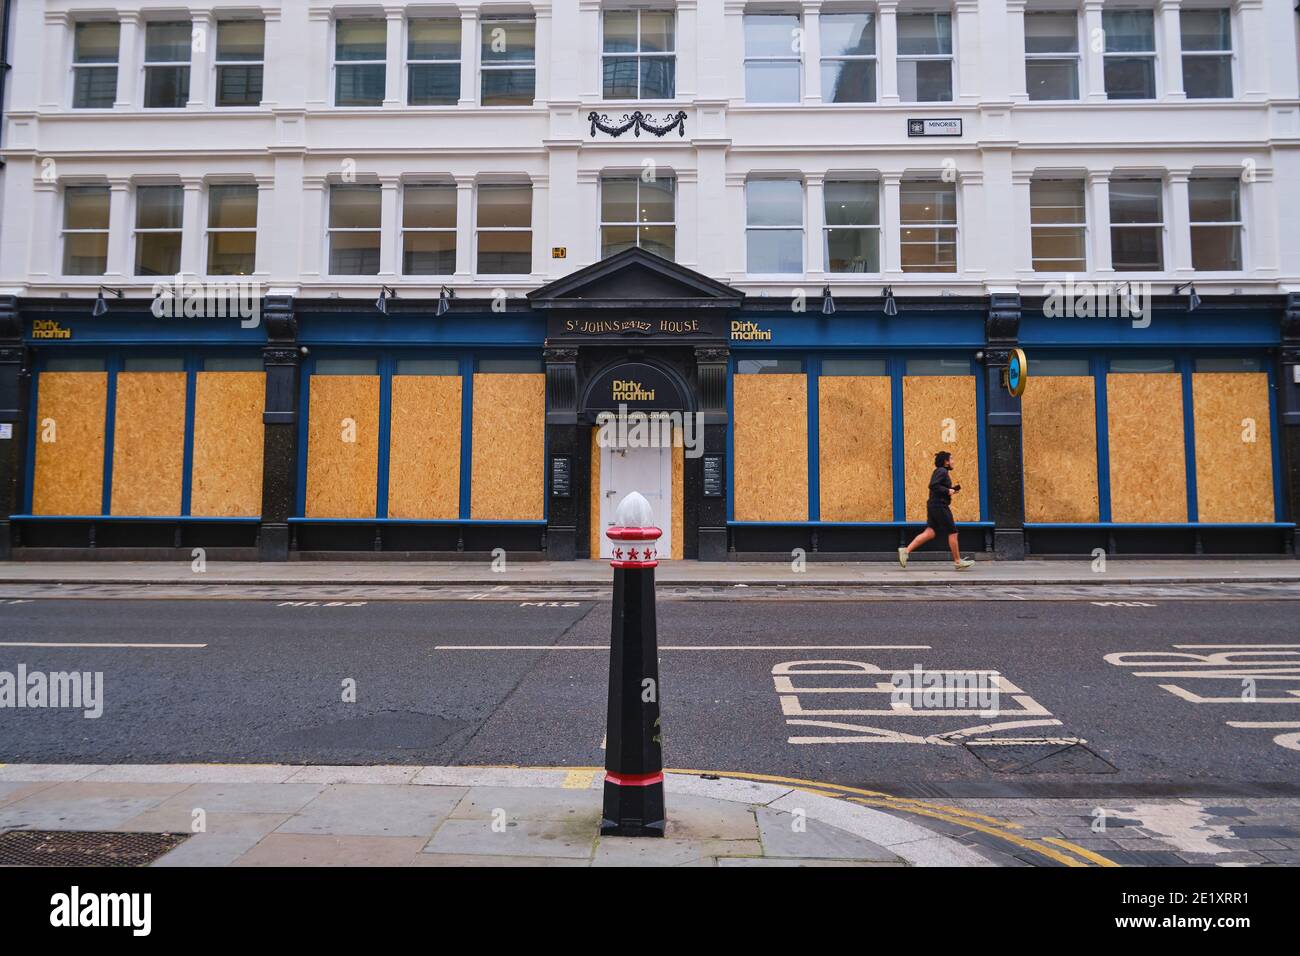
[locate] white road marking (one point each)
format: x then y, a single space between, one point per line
687 647
88 644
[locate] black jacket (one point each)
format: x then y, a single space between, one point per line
940 482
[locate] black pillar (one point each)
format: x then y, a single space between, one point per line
634 777
1288 379
562 442
15 389
711 371
280 417
1006 478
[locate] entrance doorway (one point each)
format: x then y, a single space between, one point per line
644 469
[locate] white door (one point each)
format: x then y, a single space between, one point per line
647 470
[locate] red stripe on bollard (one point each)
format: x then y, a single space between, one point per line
633 779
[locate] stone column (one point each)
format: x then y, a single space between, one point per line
1169 48
812 52
468 56
887 54
1094 62
1099 222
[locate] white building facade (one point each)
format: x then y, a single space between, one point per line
829 229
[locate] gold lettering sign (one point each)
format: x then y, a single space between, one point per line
626 390
639 326
49 329
749 332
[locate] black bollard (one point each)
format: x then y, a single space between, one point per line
634 767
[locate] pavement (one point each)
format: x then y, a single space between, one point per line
282 815
815 573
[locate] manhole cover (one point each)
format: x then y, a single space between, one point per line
1047 756
84 847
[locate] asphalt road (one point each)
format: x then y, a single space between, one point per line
524 682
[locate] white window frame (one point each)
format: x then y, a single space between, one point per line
603 222
955 227
137 231
1076 57
1239 223
638 55
335 63
950 57
209 230
853 57
1163 193
408 61
331 230
64 231
115 66
1153 54
1082 225
218 63
147 64
480 229
485 67
1230 53
802 227
403 228
878 227
793 57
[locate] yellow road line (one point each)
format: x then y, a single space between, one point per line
1081 851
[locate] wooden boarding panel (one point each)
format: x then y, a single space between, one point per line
1148 480
149 443
679 514
1234 447
855 449
770 440
70 410
226 477
1059 419
342 474
508 471
424 447
939 414
593 497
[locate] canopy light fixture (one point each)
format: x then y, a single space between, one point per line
828 301
445 296
1193 300
891 307
101 306
385 293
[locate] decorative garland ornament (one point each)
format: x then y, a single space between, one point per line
637 121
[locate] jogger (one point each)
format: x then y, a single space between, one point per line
938 514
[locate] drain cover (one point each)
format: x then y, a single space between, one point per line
1048 756
84 847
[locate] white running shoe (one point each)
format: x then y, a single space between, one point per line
902 558
963 564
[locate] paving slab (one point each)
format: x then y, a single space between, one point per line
631 851
785 835
79 805
375 810
572 839
533 803
300 849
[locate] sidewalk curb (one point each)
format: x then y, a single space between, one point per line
914 844
955 581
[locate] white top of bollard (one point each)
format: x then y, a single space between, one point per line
634 512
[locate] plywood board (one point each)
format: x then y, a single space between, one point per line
596 528
149 443
424 447
939 414
226 477
342 446
678 469
508 472
1234 446
1059 421
69 477
855 451
770 439
1148 480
